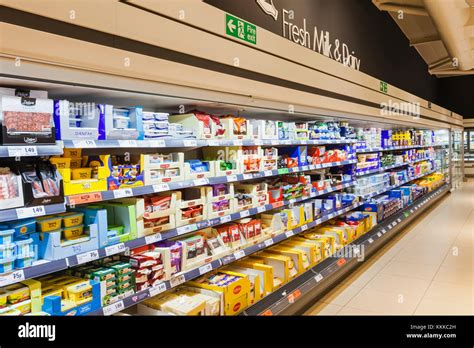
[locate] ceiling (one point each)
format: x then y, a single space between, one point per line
442 31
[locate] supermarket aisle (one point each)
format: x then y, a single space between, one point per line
426 269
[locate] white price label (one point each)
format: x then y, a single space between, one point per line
157 143
287 142
87 257
11 278
268 242
239 254
394 224
189 143
379 234
261 209
84 144
238 142
274 142
318 277
128 143
289 234
258 142
155 290
206 268
178 280
244 213
153 238
304 168
114 308
161 187
186 229
304 227
411 210
115 249
121 193
22 213
200 182
248 176
371 240
232 178
213 142
384 230
293 200
22 151
399 220
268 172
225 219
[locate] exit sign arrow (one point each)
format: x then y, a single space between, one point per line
231 25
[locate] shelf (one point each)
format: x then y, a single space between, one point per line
149 189
372 194
382 169
321 276
31 150
47 267
29 212
395 148
194 273
192 143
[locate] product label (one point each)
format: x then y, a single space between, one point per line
239 254
155 290
200 182
225 219
213 142
22 213
22 151
178 280
289 234
204 269
114 308
244 213
87 257
189 143
127 143
115 249
318 277
161 187
186 229
268 242
304 227
247 176
11 278
121 193
156 143
153 238
261 209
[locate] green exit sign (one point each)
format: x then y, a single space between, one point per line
240 29
383 87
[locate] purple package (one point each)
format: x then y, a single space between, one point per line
219 190
175 251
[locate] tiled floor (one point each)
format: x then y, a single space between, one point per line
427 269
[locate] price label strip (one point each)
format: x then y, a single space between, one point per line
87 257
239 254
114 308
23 213
115 249
155 290
178 280
22 151
204 269
11 278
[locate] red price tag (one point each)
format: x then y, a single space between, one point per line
85 198
341 262
268 312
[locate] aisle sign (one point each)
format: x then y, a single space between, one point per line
240 29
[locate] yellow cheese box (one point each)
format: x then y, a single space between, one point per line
283 266
299 257
237 305
267 270
312 251
231 291
256 281
329 242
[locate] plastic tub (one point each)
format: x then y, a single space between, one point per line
6 236
73 232
81 173
72 219
49 223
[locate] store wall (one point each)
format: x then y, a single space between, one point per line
373 36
